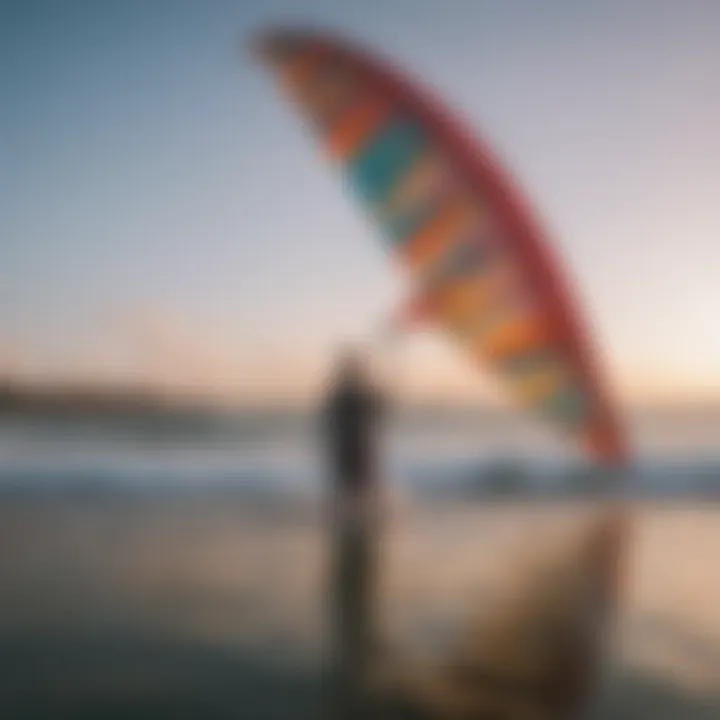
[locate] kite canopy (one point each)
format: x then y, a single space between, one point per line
480 267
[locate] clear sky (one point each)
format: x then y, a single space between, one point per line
164 217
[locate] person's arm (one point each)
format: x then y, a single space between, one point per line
333 406
381 405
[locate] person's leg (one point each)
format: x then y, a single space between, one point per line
353 597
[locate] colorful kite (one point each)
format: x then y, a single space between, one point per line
479 264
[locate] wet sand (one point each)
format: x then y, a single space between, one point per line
184 606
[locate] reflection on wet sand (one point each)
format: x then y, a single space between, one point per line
119 606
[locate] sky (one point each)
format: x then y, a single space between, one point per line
164 218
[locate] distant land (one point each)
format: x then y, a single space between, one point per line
28 399
24 398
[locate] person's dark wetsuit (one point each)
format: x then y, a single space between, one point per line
352 416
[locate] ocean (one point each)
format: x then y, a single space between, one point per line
276 452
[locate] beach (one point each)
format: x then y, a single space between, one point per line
181 604
513 249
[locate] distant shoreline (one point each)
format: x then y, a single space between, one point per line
24 397
27 399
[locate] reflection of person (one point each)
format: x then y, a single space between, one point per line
351 417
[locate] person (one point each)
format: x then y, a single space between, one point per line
352 415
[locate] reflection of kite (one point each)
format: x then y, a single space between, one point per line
536 649
480 267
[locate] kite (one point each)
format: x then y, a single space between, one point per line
480 266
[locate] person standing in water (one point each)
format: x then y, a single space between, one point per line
352 413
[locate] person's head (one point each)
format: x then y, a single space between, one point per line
350 367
